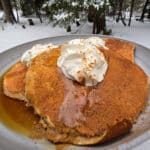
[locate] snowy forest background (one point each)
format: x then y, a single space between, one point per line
25 20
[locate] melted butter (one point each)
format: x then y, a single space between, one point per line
15 115
75 100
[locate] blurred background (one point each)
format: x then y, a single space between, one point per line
26 20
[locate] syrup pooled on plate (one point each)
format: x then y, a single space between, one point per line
16 116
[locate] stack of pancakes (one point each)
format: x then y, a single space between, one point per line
91 114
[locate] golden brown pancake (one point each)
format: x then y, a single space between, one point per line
123 48
82 115
14 84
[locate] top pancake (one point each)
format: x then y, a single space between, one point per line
71 108
14 83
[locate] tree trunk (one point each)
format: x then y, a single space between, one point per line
9 15
99 22
94 27
114 12
39 15
114 4
15 5
37 4
131 12
144 10
120 13
120 10
148 13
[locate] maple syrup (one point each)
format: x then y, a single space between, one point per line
15 115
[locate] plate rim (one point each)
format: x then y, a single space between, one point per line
66 35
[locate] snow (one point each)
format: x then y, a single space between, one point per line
12 35
138 32
1 14
63 15
15 35
74 4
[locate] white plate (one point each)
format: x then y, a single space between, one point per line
10 140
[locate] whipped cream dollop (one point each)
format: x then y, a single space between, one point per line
34 51
95 41
82 61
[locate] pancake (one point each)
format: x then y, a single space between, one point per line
126 49
14 84
73 113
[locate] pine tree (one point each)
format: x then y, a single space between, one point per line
66 12
27 7
32 7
